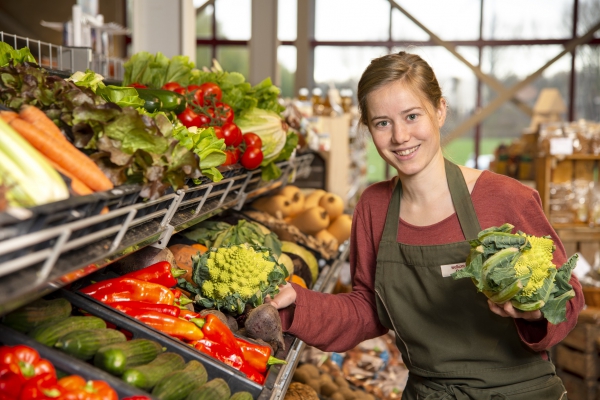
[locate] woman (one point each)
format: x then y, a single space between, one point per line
454 343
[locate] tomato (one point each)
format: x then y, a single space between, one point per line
233 156
213 89
171 86
204 120
252 157
232 134
189 118
138 85
180 90
252 140
198 94
224 112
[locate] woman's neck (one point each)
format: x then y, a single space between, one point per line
426 196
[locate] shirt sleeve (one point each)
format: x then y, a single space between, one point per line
341 321
541 335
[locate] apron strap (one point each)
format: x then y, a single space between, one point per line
461 199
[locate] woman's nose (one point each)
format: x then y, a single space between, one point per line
400 134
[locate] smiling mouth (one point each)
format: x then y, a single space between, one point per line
407 151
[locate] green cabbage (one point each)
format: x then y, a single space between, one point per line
267 125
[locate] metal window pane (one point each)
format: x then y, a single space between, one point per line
517 62
204 21
588 11
234 58
587 93
203 57
287 19
340 20
531 19
233 19
286 60
450 20
343 66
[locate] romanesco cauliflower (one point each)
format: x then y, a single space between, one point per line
229 277
518 267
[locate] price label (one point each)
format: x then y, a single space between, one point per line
561 146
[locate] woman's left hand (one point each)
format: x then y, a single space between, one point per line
507 310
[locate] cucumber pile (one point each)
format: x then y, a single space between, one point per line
139 362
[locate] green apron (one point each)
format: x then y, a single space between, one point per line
452 344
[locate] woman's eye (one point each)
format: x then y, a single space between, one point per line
412 117
382 123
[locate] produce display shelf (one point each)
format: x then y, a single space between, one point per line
38 263
325 283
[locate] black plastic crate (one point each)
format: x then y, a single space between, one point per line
68 364
236 380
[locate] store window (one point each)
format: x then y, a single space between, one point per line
233 19
587 100
286 60
287 20
343 20
531 19
234 58
589 10
204 22
451 20
203 56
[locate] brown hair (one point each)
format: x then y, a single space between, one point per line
412 69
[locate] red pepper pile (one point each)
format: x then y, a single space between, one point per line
26 376
149 296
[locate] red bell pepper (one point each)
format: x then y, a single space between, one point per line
42 387
257 356
161 273
220 352
252 373
10 385
129 289
172 326
214 329
24 361
187 314
176 293
78 389
143 306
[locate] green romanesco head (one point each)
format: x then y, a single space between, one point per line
236 269
538 260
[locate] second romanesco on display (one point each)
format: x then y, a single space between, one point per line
233 276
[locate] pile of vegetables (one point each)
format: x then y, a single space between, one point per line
24 375
518 268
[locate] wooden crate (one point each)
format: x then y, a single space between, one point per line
585 365
578 388
583 338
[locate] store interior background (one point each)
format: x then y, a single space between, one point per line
324 43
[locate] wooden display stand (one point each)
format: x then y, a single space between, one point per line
337 159
576 237
577 359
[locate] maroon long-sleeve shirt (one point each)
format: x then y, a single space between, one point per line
339 322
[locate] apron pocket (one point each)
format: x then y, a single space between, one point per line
552 389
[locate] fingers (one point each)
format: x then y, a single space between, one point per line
507 310
285 297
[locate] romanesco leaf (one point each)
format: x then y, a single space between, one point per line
555 310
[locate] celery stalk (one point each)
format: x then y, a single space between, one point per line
29 170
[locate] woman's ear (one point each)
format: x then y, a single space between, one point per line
441 112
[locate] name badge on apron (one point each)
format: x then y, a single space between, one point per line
449 269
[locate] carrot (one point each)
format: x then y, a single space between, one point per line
64 154
40 120
8 116
78 187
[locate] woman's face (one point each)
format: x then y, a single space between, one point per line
404 134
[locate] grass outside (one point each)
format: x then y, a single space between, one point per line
458 151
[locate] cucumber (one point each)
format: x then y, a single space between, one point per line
147 376
117 358
50 332
84 344
215 389
177 385
241 396
171 101
151 102
37 313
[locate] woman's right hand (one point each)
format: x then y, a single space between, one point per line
285 297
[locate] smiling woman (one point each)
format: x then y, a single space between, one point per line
406 232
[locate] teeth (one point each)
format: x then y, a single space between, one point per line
407 152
